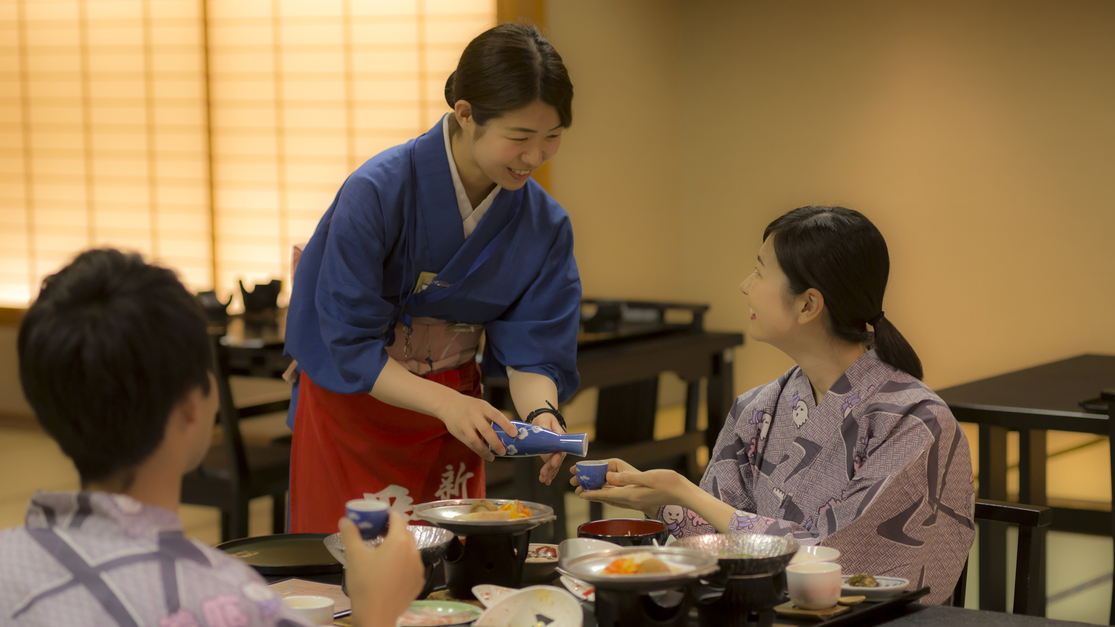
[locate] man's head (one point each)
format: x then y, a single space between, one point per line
114 357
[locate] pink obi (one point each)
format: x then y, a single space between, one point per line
432 345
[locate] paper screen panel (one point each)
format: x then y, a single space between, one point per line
102 125
302 94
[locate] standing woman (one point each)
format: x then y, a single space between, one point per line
425 246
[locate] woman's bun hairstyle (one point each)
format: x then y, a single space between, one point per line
507 67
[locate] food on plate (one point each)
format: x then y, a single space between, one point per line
542 553
483 505
638 564
862 580
487 510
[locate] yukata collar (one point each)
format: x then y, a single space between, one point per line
72 509
857 375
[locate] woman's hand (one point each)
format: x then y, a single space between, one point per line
382 581
470 420
644 491
551 461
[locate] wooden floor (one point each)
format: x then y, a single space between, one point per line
1079 573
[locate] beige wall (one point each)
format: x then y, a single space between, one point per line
978 136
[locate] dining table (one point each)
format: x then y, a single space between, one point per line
1063 395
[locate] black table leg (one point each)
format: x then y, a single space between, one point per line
993 536
1032 490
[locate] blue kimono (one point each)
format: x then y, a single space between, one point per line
351 274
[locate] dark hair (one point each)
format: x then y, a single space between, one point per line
105 352
841 254
507 67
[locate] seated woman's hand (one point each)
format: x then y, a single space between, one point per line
382 581
643 491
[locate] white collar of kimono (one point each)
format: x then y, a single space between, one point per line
470 216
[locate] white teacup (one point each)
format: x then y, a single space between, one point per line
813 585
312 609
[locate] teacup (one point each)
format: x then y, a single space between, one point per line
313 609
592 474
813 585
369 516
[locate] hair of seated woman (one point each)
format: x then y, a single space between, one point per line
841 254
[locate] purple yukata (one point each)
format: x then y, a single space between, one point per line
880 470
93 558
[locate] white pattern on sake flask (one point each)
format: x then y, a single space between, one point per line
534 440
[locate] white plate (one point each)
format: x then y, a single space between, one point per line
422 613
548 605
489 595
580 589
888 587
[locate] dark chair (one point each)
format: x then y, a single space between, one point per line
1032 521
233 473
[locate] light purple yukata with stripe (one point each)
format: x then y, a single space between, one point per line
879 470
93 558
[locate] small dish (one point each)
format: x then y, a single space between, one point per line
424 613
548 605
580 589
888 587
542 560
626 531
489 595
815 554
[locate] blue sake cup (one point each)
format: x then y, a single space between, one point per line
369 516
592 475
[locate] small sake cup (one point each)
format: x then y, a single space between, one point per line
312 609
592 474
813 585
369 516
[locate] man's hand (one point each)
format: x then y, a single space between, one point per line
382 581
470 420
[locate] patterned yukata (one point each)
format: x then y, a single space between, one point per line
92 558
879 470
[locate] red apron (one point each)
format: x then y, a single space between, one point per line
348 444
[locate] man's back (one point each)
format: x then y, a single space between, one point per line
93 558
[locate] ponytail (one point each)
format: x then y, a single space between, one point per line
892 348
841 254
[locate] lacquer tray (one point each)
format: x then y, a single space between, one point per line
863 612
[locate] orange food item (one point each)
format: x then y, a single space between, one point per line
516 510
622 566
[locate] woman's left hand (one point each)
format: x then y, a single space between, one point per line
552 461
644 491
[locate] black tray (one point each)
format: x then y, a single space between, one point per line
863 612
285 554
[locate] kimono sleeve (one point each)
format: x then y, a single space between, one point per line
538 332
351 310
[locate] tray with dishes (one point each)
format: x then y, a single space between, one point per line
466 517
856 613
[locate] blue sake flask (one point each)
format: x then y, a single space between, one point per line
534 440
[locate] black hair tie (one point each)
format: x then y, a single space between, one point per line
875 321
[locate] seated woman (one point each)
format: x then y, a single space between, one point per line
849 448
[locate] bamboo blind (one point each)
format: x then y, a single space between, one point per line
209 135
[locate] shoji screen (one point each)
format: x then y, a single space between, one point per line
114 112
305 91
102 136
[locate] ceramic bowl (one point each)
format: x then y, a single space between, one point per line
489 595
539 568
314 610
548 605
813 585
815 554
626 531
